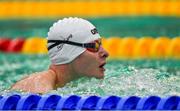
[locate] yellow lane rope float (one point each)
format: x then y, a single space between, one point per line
39 9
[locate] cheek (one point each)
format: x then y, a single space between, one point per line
87 64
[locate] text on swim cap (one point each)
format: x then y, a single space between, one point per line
59 47
94 31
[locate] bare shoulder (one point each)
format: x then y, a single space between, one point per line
37 82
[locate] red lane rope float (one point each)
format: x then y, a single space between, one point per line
4 44
16 45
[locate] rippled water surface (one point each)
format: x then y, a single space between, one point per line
123 77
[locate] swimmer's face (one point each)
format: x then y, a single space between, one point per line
91 64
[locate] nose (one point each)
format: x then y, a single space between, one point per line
103 53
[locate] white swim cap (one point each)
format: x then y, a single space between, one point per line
71 29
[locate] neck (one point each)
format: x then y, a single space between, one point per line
64 74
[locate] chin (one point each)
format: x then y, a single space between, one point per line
100 76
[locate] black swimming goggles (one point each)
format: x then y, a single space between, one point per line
92 46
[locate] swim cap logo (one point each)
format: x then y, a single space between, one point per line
94 31
59 47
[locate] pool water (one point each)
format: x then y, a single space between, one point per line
123 77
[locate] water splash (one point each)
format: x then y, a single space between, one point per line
125 81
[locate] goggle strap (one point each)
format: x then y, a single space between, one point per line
53 45
57 42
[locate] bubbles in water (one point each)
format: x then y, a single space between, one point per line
123 78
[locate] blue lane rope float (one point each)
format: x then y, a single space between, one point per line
148 103
9 102
128 103
169 103
75 102
108 103
48 102
88 103
28 102
68 102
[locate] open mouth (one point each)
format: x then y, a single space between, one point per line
102 66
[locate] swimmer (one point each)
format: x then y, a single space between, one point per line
75 50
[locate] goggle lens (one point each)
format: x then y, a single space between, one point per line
97 44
